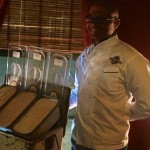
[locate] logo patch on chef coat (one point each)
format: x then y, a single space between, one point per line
115 60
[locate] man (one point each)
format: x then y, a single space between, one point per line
109 74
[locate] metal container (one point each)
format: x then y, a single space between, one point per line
39 119
14 74
15 107
32 113
6 93
27 95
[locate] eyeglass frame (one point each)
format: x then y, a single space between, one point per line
97 20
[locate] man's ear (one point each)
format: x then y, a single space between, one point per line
117 23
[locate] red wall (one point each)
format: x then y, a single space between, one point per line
135 24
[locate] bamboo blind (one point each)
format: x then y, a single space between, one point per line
52 24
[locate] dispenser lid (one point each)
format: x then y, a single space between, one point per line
15 64
34 68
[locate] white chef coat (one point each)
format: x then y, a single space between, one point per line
108 76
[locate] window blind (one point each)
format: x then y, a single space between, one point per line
51 24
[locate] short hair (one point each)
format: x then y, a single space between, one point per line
110 5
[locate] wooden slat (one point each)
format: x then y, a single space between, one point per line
44 23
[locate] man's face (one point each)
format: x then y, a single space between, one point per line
100 24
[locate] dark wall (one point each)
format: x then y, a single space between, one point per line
4 4
135 24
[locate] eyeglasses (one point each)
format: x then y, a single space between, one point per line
98 20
